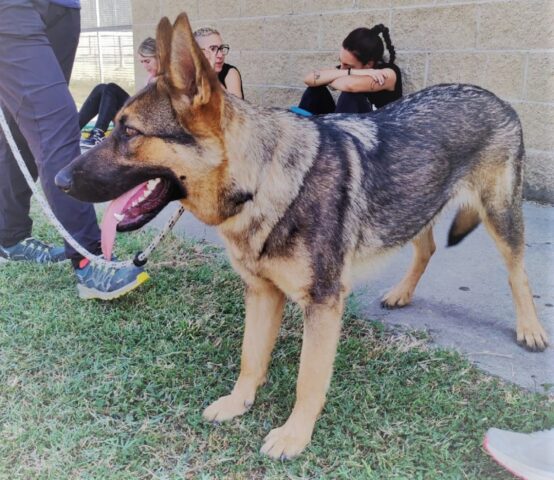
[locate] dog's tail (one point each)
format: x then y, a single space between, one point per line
466 220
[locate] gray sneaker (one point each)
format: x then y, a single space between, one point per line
105 283
526 455
32 250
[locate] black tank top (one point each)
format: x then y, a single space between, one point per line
223 75
382 98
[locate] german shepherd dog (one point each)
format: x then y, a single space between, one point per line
301 202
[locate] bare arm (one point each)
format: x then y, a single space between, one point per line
366 80
234 82
317 78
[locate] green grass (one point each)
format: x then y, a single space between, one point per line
116 390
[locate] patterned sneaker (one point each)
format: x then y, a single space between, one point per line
32 250
105 283
95 137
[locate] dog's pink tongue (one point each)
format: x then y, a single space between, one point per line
109 222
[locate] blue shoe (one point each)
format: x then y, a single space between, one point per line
300 111
105 283
32 250
96 136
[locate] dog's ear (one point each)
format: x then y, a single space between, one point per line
190 73
163 45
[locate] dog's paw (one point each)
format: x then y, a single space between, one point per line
397 298
226 408
287 441
533 339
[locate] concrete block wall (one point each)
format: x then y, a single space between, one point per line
506 46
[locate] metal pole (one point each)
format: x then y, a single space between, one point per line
100 60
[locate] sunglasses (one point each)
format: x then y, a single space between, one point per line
215 49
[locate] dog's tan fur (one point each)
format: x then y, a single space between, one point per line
264 176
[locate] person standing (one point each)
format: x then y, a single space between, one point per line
38 43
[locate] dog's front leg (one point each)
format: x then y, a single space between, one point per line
322 325
264 312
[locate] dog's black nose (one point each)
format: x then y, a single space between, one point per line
63 180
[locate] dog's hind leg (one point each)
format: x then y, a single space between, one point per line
264 311
401 295
505 225
322 323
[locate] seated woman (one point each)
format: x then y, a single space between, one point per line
366 81
106 99
209 40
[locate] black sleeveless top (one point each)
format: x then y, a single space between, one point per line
223 74
382 98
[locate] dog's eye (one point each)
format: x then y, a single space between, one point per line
131 132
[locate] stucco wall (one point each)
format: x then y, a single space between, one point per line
506 46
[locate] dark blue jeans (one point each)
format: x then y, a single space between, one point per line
319 101
38 42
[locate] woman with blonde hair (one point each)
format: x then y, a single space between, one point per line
106 99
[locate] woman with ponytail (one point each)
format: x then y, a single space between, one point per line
365 79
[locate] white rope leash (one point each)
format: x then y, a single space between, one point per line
140 258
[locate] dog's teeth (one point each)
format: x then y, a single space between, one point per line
134 204
118 216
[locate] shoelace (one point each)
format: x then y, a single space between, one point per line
33 246
97 136
101 276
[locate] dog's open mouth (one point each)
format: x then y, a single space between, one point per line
135 208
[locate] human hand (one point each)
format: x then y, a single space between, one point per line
378 76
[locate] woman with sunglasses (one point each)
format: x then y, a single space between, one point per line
209 40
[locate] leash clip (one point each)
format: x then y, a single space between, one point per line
137 261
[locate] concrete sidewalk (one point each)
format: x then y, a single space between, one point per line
463 300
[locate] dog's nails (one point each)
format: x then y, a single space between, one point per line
248 403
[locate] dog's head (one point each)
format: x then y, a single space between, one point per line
168 143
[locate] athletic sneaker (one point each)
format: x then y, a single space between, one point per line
106 283
527 455
95 137
32 250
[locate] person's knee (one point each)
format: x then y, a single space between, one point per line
316 92
353 102
116 92
111 89
317 100
99 88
